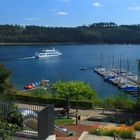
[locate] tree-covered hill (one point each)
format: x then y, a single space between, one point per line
94 33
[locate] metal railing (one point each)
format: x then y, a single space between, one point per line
34 119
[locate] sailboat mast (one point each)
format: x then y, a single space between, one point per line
127 68
112 61
101 60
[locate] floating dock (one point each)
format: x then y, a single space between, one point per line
123 79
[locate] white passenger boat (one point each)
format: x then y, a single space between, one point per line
47 53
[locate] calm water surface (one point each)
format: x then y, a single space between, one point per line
26 69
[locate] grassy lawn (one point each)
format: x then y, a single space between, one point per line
63 121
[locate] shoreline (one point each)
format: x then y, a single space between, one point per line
65 43
4 44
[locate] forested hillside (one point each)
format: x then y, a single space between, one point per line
94 33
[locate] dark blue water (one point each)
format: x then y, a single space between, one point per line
26 69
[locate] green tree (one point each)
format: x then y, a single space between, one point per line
74 88
4 79
103 32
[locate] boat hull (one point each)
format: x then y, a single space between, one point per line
46 56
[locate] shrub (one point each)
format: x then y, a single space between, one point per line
98 102
7 129
108 132
96 129
136 125
15 118
122 131
126 134
121 102
113 102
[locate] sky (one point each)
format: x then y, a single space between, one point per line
69 13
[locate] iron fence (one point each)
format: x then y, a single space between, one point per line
34 120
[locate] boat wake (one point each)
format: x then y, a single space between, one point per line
27 57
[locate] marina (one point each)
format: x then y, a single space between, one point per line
123 79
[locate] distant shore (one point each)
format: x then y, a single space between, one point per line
42 43
65 43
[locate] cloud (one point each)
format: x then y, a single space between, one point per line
96 4
134 8
62 13
32 19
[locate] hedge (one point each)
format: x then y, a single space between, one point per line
58 102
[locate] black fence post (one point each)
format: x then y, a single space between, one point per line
46 122
77 109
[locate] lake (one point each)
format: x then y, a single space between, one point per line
26 69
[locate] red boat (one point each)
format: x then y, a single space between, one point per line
28 86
